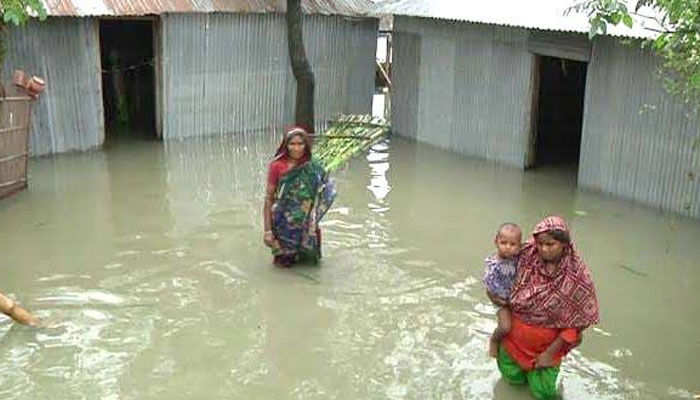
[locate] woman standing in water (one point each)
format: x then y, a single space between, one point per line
298 194
552 302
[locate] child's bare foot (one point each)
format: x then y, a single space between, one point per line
493 348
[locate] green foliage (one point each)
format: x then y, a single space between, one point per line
347 137
18 12
677 40
603 12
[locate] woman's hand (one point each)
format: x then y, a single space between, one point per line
544 360
269 239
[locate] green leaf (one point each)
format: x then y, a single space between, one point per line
596 26
627 20
660 42
615 18
18 12
591 32
695 79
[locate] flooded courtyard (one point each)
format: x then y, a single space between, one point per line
146 262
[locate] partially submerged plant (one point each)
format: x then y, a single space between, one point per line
347 137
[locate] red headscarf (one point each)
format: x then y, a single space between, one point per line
293 131
564 299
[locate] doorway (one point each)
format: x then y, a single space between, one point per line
128 78
559 112
381 101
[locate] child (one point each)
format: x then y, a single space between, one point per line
499 276
10 308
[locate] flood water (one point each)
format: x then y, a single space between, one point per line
146 261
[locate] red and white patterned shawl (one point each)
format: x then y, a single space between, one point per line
564 299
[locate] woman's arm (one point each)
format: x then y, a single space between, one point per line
567 337
546 358
268 237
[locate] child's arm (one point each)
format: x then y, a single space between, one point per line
496 300
10 308
565 337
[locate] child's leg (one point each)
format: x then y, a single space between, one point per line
501 330
503 327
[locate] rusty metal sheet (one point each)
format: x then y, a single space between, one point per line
548 15
86 8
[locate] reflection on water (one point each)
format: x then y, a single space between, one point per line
146 263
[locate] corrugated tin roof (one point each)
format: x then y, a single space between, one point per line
86 8
534 14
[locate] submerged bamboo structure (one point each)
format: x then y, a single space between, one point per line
347 137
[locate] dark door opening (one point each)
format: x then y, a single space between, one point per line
562 85
128 78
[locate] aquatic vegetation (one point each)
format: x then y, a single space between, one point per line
346 137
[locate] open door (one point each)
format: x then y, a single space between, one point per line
557 112
127 51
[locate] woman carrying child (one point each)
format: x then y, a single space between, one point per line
552 302
298 195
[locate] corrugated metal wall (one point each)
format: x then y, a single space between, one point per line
463 87
222 73
65 51
637 140
571 46
226 73
468 88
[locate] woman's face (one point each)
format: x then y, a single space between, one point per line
550 249
295 147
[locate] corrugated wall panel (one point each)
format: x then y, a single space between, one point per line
437 90
470 89
226 73
121 8
563 45
637 139
65 51
406 78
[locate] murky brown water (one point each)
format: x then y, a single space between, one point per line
147 260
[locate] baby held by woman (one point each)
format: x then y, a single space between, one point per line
499 276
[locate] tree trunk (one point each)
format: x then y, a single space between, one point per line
304 104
